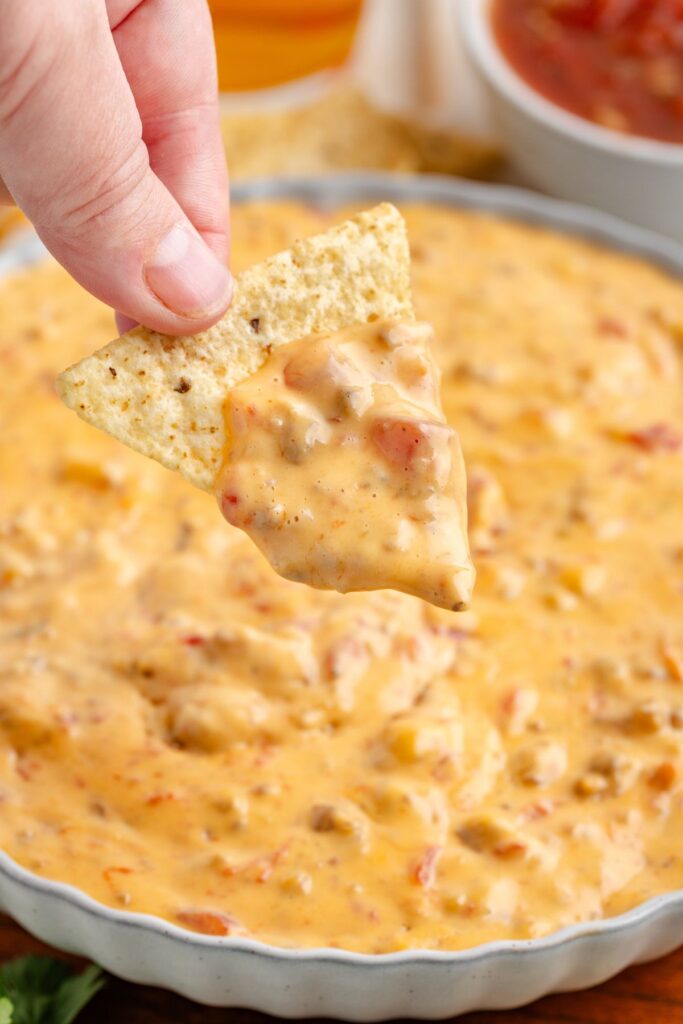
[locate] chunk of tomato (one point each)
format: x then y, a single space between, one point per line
402 442
209 922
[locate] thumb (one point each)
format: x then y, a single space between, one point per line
72 156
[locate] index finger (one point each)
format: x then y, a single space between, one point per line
167 51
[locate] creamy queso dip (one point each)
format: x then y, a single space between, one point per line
184 733
342 468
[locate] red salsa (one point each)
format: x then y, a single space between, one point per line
618 63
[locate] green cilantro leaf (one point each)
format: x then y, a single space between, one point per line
75 993
42 990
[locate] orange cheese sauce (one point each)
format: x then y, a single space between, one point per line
341 466
182 732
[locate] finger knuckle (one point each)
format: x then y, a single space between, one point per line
120 191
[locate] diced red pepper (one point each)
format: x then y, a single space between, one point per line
228 504
660 437
260 868
539 809
108 872
160 798
608 325
510 849
209 922
266 865
424 872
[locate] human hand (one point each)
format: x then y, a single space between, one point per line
110 143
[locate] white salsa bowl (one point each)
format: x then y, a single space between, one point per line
636 178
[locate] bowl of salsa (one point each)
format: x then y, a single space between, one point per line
588 95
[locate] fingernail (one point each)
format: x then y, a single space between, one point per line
186 276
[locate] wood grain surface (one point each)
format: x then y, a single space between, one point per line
649 994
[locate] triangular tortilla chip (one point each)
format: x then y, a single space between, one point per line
164 396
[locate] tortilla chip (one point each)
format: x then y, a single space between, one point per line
164 396
341 131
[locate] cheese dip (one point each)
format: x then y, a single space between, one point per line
342 468
187 734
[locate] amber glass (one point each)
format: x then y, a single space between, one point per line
262 43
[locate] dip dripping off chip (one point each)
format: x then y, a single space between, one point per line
342 468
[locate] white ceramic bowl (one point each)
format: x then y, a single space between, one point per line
332 982
638 179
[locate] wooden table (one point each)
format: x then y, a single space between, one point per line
649 994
